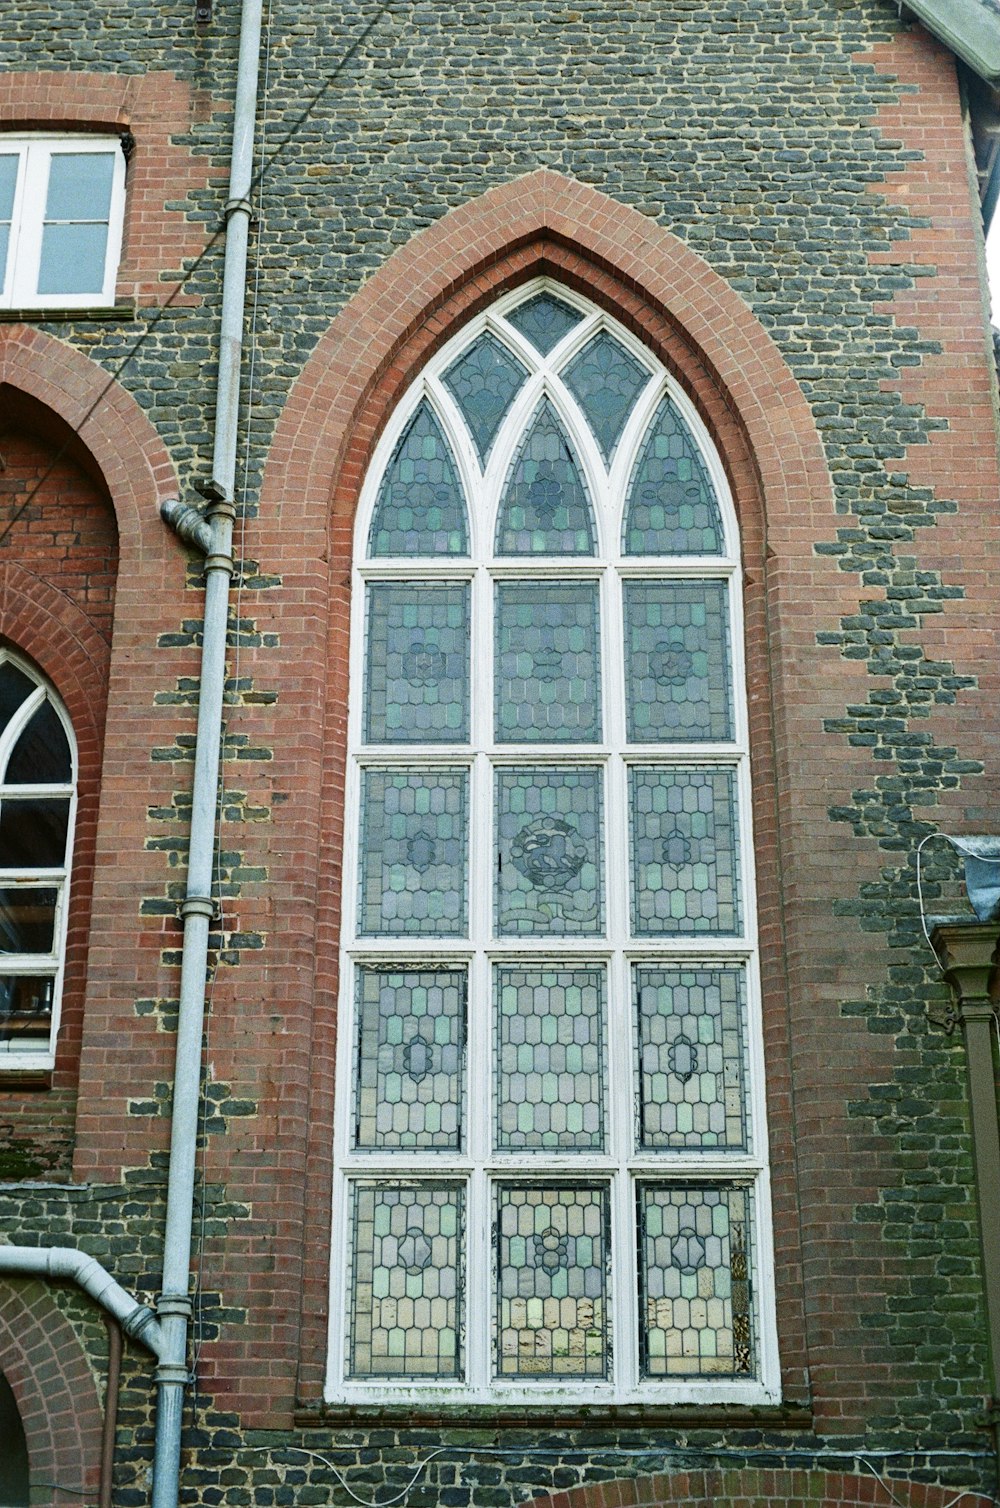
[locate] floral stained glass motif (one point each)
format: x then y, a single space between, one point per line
677 664
484 382
411 1033
545 508
671 507
691 1057
417 665
684 851
547 681
550 1066
414 853
550 871
605 380
552 1281
420 510
544 320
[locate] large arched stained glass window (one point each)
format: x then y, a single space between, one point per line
37 802
551 1156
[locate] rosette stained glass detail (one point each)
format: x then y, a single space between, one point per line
411 1036
605 380
550 873
484 382
414 853
545 507
544 320
697 1318
420 509
406 1310
550 1059
677 662
417 664
691 1056
552 1254
671 508
547 682
684 850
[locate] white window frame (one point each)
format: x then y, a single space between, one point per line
35 152
623 1166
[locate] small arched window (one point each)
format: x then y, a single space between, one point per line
551 1154
37 808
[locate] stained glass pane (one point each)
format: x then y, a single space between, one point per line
696 1256
605 380
484 382
406 1310
547 680
550 879
677 661
544 320
414 848
685 852
33 834
411 1035
41 755
691 1056
15 686
671 507
417 667
25 1011
27 919
552 1282
545 508
550 1059
420 508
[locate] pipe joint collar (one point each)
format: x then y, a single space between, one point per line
238 206
174 1303
173 1371
198 905
143 1326
216 562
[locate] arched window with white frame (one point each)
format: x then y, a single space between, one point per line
551 1156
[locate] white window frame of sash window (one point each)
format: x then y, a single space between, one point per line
16 1056
35 152
622 1167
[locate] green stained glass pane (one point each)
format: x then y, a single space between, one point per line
550 1059
677 663
414 853
484 382
696 1266
547 678
420 509
691 1057
550 873
411 1036
406 1259
671 507
544 320
605 380
417 664
545 508
684 843
552 1255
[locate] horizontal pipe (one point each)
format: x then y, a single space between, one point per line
136 1319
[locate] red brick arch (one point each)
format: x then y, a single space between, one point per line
750 1487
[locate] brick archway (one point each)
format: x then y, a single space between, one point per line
749 1486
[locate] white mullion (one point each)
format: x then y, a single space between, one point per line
8 739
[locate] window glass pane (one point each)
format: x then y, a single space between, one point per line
685 857
411 1036
27 919
545 508
33 833
406 1313
547 679
25 1011
8 183
550 879
15 686
414 846
691 1057
41 755
80 186
552 1282
550 1059
677 661
417 669
696 1255
72 259
484 382
4 246
671 508
544 320
605 380
420 508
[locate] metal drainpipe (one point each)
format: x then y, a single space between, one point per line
214 534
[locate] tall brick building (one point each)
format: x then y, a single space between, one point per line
555 1087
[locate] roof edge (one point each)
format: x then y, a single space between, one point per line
968 28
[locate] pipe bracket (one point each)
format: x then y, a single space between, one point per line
238 206
199 905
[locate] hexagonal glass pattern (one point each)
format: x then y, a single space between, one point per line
411 1043
545 508
420 509
550 872
414 853
684 849
550 1059
547 682
484 382
417 664
677 662
671 508
544 320
605 380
